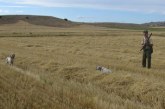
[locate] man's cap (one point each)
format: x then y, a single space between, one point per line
145 31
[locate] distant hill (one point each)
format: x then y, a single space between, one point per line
57 22
121 25
153 24
36 20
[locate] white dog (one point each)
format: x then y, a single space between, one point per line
10 59
103 69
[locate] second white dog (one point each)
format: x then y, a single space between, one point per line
103 69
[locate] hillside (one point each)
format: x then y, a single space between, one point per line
155 24
36 20
57 22
121 25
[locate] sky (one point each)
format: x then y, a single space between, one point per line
123 11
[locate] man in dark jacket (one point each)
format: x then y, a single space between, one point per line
147 49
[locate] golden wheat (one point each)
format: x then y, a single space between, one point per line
65 65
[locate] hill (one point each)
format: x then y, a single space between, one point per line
121 25
57 22
155 24
36 20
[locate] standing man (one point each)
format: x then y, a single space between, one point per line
147 49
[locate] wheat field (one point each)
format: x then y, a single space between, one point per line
55 68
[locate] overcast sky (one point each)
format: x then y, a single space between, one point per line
130 11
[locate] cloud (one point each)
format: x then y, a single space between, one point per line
4 11
85 17
19 11
143 6
12 6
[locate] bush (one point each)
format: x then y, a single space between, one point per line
66 19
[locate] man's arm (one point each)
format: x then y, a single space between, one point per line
143 44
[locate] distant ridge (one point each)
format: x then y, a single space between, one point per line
57 22
121 25
36 20
161 23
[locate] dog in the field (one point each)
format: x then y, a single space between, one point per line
103 69
10 59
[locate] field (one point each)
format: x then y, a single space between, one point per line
55 68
